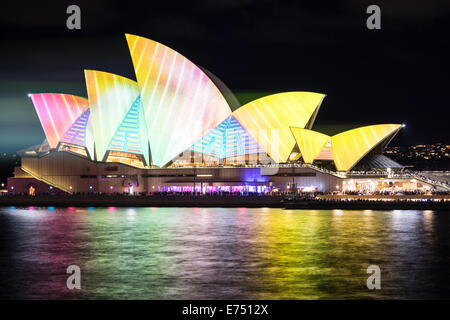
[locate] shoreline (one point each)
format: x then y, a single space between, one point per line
217 201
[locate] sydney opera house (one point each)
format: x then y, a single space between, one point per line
179 129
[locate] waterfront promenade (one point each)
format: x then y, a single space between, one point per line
391 202
144 201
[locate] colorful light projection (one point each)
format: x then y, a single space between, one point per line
57 112
228 139
346 148
269 119
175 106
90 141
181 104
309 142
110 98
351 146
76 134
131 134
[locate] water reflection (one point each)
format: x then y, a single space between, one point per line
218 253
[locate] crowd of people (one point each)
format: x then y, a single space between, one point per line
226 193
330 200
397 192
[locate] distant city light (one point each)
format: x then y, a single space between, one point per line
90 187
403 125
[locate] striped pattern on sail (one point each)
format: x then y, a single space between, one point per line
180 102
57 112
228 139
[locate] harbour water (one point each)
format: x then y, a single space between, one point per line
223 253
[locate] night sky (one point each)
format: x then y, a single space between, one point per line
399 74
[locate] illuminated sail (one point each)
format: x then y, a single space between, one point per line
228 139
57 112
269 119
351 146
110 98
180 102
76 134
309 142
130 136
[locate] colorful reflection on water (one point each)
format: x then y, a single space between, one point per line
223 253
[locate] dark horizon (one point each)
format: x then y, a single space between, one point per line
398 74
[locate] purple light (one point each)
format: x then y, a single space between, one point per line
215 189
